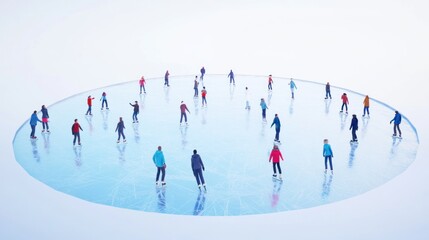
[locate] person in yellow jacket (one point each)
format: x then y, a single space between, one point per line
366 106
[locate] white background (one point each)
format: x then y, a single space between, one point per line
50 50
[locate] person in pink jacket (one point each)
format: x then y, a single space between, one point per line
275 156
142 81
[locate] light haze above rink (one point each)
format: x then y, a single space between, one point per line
234 144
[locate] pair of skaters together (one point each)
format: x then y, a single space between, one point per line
345 102
103 100
276 155
291 84
34 120
197 166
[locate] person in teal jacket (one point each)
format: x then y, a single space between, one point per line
328 154
159 160
33 123
292 87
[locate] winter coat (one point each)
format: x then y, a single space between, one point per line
354 124
203 93
328 87
34 119
397 119
276 122
275 156
366 102
231 75
158 159
142 81
120 127
292 85
345 99
196 162
327 151
183 108
45 113
76 127
89 101
263 105
136 107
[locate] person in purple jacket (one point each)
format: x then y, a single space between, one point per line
198 168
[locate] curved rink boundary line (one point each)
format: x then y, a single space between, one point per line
216 200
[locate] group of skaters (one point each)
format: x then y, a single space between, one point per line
327 150
197 164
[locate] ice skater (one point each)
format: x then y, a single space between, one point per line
203 71
366 106
183 109
104 101
247 99
275 156
198 168
276 122
166 76
135 111
328 91
270 82
328 154
264 108
292 88
159 160
120 129
203 96
45 118
33 123
89 102
142 82
76 133
396 122
231 77
196 87
354 128
345 101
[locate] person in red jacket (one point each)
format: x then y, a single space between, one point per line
142 81
275 156
75 131
183 110
345 102
203 95
89 101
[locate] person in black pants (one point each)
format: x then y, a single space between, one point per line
354 128
198 168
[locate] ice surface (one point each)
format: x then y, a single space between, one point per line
234 144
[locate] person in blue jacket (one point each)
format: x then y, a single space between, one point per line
120 129
396 121
159 160
231 77
354 128
276 122
264 109
328 154
292 87
33 123
198 168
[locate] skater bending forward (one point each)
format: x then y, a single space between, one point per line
275 156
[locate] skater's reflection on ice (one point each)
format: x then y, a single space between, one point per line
136 132
183 133
196 101
352 155
199 204
105 116
326 187
121 150
327 106
89 120
343 120
167 94
203 116
291 106
161 203
46 142
393 150
78 156
231 92
277 186
35 150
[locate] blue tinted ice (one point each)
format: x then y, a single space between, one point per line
234 144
